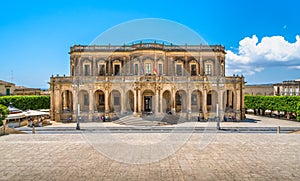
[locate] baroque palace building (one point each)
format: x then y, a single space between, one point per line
147 79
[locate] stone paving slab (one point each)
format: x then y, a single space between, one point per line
227 157
252 121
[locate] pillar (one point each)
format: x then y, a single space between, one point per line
75 102
123 101
106 101
57 104
91 104
173 101
189 110
156 101
139 101
160 101
221 106
134 102
204 102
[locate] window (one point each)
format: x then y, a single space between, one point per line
160 69
116 100
87 70
148 68
193 69
291 91
136 69
208 69
101 69
194 99
86 99
297 91
208 99
178 69
117 69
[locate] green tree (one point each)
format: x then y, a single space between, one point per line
3 113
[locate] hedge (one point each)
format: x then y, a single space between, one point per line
288 104
27 102
3 113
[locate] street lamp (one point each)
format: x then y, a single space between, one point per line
219 85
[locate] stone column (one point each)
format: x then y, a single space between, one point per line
173 101
189 110
91 104
57 104
204 102
221 106
160 101
139 101
134 101
123 101
75 103
156 101
106 101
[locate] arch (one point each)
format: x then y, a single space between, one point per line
228 101
67 101
148 101
129 101
99 102
196 101
166 102
84 100
180 101
211 100
115 101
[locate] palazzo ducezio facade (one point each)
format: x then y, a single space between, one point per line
146 79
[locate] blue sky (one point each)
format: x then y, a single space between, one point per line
259 35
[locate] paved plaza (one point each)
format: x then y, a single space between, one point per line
202 156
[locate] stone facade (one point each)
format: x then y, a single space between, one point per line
287 88
6 88
259 90
146 78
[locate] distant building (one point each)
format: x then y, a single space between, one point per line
21 90
259 90
287 88
6 88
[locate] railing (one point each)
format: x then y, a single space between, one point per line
147 78
141 46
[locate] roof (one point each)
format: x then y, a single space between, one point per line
2 82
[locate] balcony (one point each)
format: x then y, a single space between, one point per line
147 78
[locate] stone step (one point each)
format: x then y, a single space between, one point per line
139 121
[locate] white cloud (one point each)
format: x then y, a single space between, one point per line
254 56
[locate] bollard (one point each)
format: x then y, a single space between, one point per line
278 130
33 130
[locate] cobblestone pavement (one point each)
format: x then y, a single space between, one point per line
227 157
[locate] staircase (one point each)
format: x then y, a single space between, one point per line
130 120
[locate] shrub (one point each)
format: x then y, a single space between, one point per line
3 113
27 102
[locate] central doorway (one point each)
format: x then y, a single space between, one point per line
148 103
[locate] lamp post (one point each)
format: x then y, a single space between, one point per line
77 84
217 105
